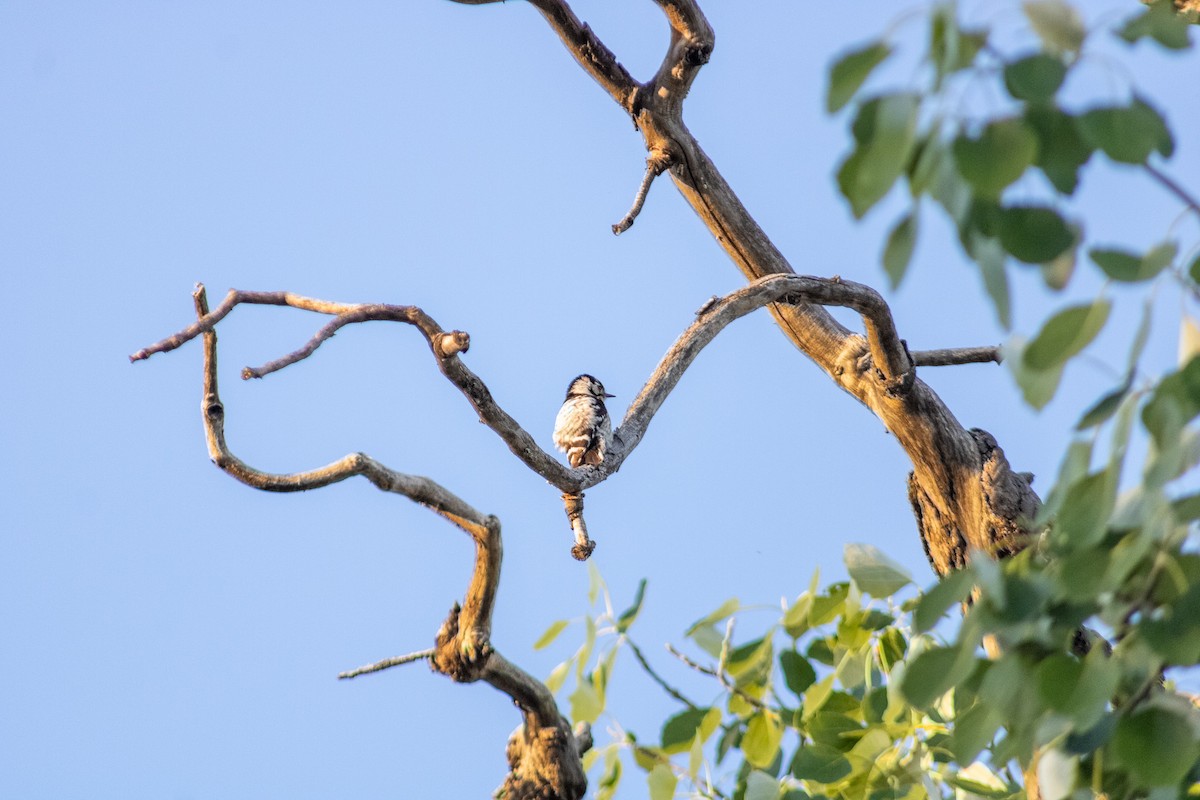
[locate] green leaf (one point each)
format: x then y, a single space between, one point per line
1186 508
585 703
973 731
558 676
850 71
679 730
1156 746
892 647
1034 234
720 614
834 729
897 253
1061 148
1127 134
761 742
1082 520
873 571
1001 154
1034 78
820 763
798 673
933 673
1176 400
947 592
1193 271
610 779
761 786
661 781
629 615
1066 334
1161 22
551 634
951 48
884 132
1103 408
1037 385
1121 265
1056 23
989 255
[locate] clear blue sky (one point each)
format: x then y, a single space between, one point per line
170 633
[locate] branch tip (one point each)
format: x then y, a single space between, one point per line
656 164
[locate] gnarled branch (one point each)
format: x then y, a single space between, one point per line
950 469
545 755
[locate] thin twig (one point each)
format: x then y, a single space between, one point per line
654 168
953 356
666 687
751 699
387 663
1174 188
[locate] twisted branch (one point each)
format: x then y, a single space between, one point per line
544 753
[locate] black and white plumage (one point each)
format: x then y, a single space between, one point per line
582 429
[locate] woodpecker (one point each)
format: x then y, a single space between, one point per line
582 429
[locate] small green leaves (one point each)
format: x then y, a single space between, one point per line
949 591
1037 385
850 71
629 615
1156 746
1056 23
820 763
798 673
950 47
1061 147
874 572
1034 78
1161 22
679 731
1128 134
1121 265
884 133
550 635
932 673
1034 234
661 782
1001 154
897 253
1065 334
763 735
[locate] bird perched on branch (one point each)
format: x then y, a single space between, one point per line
582 429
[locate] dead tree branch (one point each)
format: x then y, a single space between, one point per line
964 494
880 346
544 753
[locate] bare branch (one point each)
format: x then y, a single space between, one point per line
388 663
954 356
544 754
445 347
1174 187
720 676
654 676
573 504
948 459
591 53
654 167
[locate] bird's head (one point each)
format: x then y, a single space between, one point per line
587 386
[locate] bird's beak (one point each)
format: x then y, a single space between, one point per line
606 394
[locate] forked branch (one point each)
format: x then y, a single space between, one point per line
545 755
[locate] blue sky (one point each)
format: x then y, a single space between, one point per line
173 634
